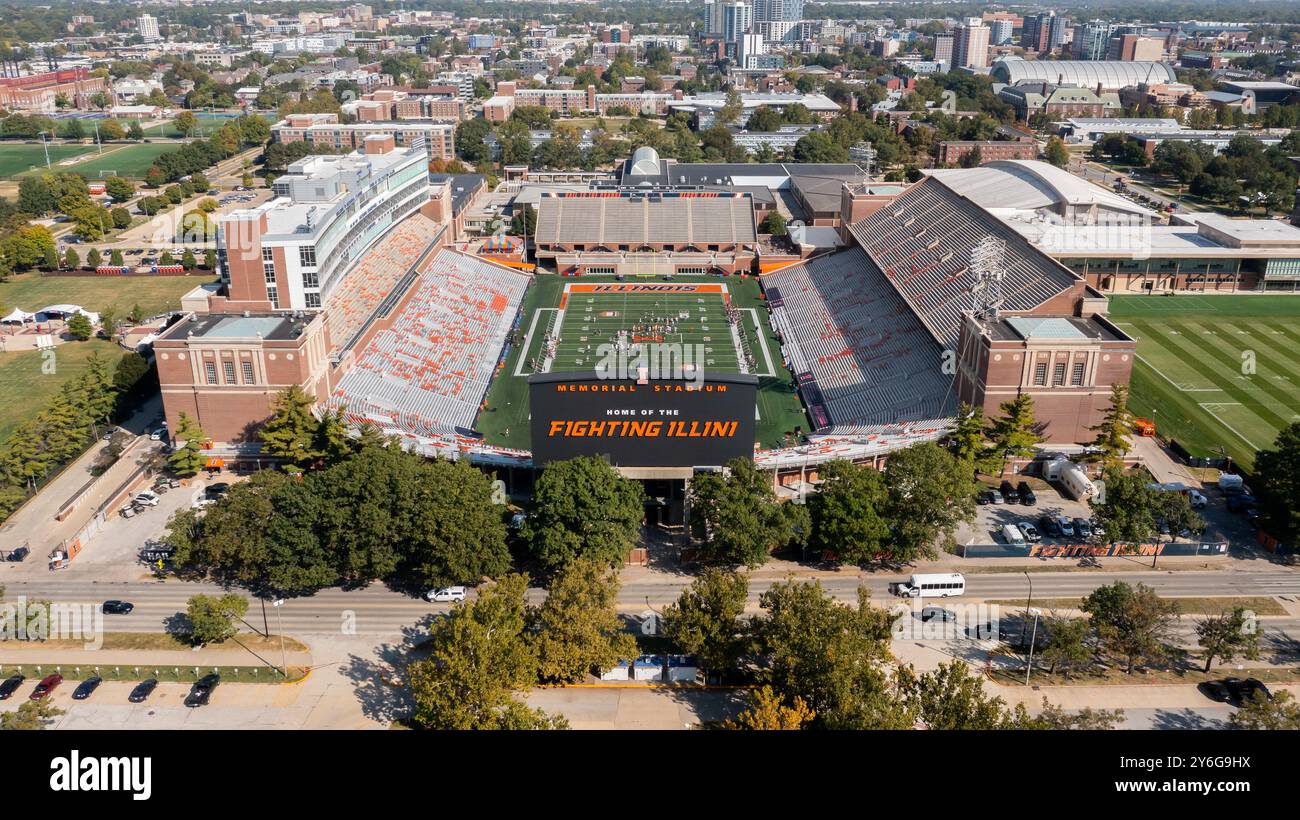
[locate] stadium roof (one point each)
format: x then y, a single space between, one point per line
1028 185
1112 75
645 220
922 244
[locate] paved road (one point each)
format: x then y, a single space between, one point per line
1187 717
378 610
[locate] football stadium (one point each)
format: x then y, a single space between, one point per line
644 320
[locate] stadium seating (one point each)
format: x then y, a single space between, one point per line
428 373
858 349
922 243
350 305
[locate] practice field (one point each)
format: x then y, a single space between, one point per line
21 158
123 160
154 294
596 310
27 382
1215 371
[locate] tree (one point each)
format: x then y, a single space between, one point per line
972 158
121 217
731 109
188 261
966 441
773 224
212 618
35 196
1277 485
524 222
577 626
188 459
1227 636
848 513
291 430
79 327
819 147
1087 719
185 123
1281 712
1115 427
951 697
1133 624
1056 153
767 712
134 130
1128 510
1066 646
764 119
119 188
71 259
32 715
94 259
829 654
705 619
478 658
583 508
1015 433
738 514
929 493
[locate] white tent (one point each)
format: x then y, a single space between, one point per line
18 317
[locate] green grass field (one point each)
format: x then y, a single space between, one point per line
26 386
122 160
17 159
1215 371
31 291
207 123
590 320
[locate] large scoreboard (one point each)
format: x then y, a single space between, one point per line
642 423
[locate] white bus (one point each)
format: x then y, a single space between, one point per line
931 585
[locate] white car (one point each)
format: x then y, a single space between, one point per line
202 504
146 499
1197 500
445 594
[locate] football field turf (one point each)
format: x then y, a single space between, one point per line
1221 374
585 317
22 158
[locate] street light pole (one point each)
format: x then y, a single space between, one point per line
46 145
279 624
1030 666
1028 603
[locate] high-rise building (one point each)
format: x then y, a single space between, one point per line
148 27
972 49
748 48
1000 31
943 49
1043 32
778 11
1135 47
1092 40
736 20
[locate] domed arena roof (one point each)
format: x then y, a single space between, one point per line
1111 75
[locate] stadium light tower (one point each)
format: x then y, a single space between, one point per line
987 265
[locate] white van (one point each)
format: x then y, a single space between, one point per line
1011 534
931 585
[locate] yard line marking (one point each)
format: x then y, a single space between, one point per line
1181 388
1206 406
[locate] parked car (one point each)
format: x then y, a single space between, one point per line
87 687
47 685
445 594
1082 527
118 607
1050 526
216 491
937 613
1027 496
159 434
10 686
1243 691
18 554
1066 525
1009 492
146 498
143 690
996 496
985 498
1029 531
202 504
1215 690
1098 531
1240 502
201 691
1197 500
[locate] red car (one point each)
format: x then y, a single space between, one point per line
46 686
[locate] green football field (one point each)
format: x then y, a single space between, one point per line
122 160
1221 374
20 158
585 320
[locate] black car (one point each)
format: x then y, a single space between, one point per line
18 554
118 607
142 690
1049 526
1243 691
202 690
10 686
216 491
1027 496
985 498
1240 502
87 687
1215 690
1009 494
